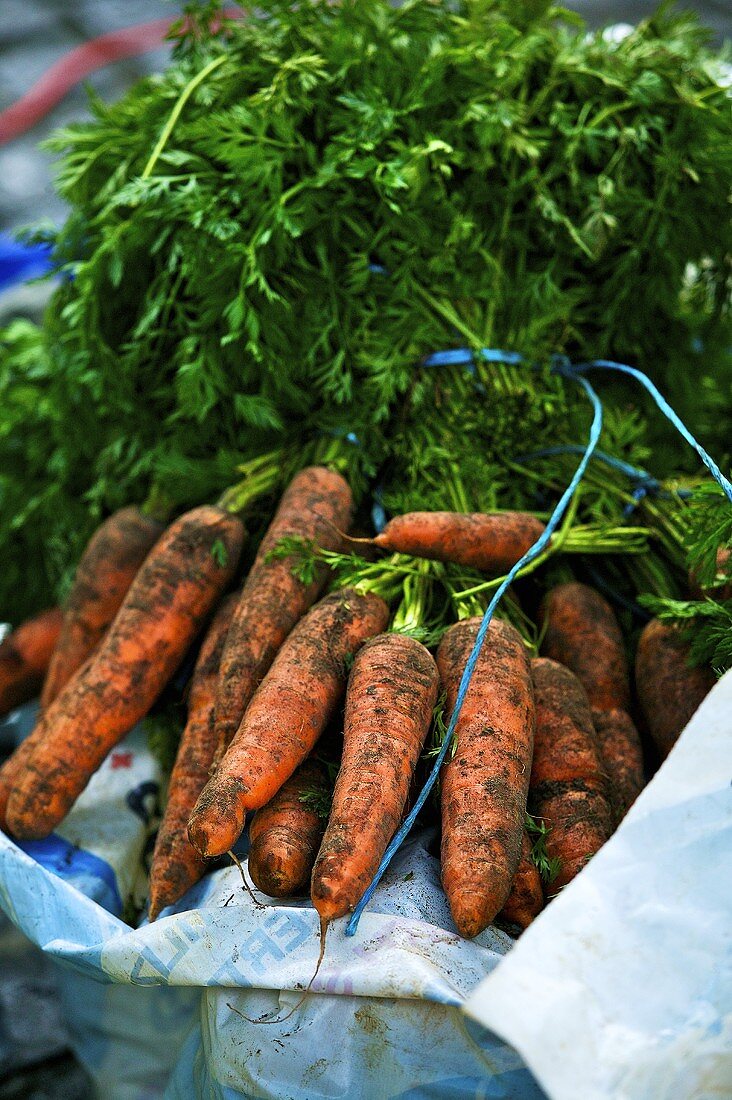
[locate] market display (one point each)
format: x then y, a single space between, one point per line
327 281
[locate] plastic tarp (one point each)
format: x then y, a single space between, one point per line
621 988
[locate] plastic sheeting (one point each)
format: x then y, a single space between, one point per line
621 988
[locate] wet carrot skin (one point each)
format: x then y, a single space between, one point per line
669 690
485 785
176 865
25 654
526 899
286 716
390 699
317 506
162 613
285 835
489 542
103 576
568 785
583 634
622 756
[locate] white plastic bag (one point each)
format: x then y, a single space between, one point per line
621 988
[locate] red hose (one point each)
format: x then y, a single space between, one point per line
79 63
75 66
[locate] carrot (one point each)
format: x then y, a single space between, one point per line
16 764
583 634
168 602
24 657
176 865
491 543
107 568
285 834
485 785
391 694
622 757
669 689
567 786
315 506
526 899
286 716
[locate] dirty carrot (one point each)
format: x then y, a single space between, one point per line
24 657
286 716
567 791
622 757
315 506
583 633
176 865
485 784
491 543
285 835
15 765
164 609
526 899
390 698
669 690
103 576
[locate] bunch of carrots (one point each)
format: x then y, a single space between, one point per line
545 744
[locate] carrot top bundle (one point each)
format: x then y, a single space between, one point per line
164 609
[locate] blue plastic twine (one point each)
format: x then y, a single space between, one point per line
529 556
646 484
577 370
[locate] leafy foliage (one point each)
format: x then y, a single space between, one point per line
705 622
706 625
266 239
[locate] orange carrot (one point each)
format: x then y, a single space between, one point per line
567 778
583 634
669 689
176 865
526 899
286 716
391 694
24 657
107 568
622 757
285 834
16 764
315 506
491 543
485 785
168 602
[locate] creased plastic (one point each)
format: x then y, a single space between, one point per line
623 988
